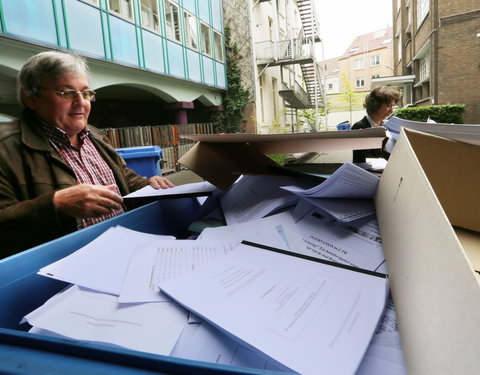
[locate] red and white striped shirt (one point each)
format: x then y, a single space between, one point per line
86 162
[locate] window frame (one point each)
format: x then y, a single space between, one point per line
218 46
361 80
423 8
191 33
156 28
129 17
172 32
375 60
204 50
359 63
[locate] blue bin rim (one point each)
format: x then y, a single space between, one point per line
141 151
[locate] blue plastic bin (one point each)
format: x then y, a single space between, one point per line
344 125
22 291
144 160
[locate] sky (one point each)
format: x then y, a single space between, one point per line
342 20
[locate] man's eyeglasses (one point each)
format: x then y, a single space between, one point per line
72 94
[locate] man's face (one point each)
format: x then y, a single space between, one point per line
69 115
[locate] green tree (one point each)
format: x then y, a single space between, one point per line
234 100
349 96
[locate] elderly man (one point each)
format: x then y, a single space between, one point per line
58 174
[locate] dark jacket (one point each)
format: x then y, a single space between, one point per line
359 156
30 172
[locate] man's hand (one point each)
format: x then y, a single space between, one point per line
159 182
84 201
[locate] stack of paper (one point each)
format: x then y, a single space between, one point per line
468 133
288 283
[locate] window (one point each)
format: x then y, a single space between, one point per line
376 76
360 82
149 9
172 21
359 63
375 60
206 41
121 7
94 2
217 39
422 10
191 33
330 86
399 47
274 96
424 68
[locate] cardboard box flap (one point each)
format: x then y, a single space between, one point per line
222 164
301 142
221 158
450 168
435 289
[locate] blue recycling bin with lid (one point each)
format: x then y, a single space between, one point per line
344 126
144 160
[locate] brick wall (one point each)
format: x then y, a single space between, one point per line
459 63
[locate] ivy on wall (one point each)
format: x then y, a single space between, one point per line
230 120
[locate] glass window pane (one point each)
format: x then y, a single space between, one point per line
218 46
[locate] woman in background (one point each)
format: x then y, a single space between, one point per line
379 104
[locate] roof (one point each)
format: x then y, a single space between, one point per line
369 42
331 67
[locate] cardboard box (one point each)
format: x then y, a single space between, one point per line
222 158
428 207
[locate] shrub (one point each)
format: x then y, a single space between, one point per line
446 113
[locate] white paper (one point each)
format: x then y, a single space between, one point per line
277 230
86 315
311 317
202 187
253 197
348 181
468 133
356 244
344 209
164 260
102 264
203 342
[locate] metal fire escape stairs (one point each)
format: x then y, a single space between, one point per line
297 48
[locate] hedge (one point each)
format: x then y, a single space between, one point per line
445 113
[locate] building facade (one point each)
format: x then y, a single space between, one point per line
369 56
437 47
276 41
152 62
351 76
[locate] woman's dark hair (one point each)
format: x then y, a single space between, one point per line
378 96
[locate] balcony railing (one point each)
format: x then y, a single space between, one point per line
289 50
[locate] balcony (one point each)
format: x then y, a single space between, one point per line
295 96
284 52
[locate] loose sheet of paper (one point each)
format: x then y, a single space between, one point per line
348 181
102 264
86 315
253 197
164 260
203 342
311 317
356 244
202 187
277 230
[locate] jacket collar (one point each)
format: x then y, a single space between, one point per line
33 135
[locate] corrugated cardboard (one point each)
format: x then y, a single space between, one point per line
427 194
221 158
